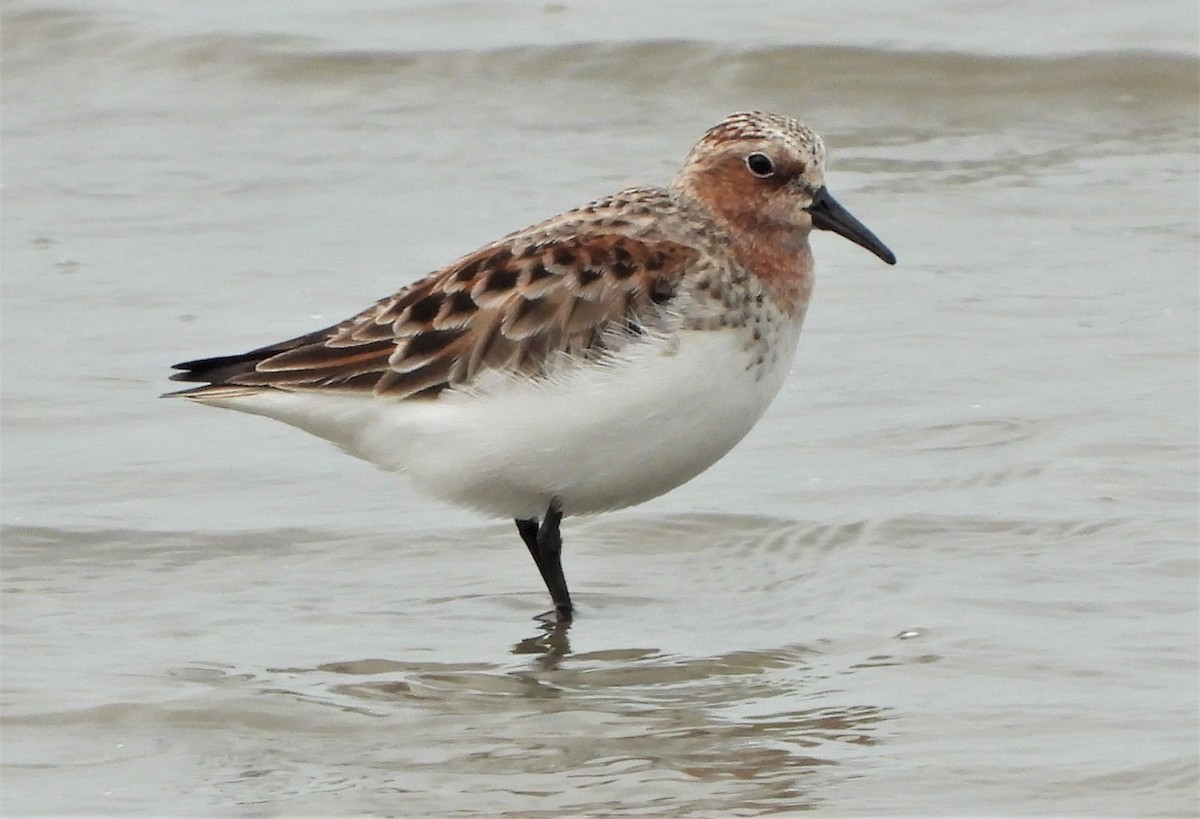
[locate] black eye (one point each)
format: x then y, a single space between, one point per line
760 165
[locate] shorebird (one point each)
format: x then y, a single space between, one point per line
587 363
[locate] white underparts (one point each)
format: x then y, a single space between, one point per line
596 436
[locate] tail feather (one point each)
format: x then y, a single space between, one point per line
218 370
226 368
215 391
221 374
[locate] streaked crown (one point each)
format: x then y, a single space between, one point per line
764 128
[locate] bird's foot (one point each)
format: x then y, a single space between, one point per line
558 614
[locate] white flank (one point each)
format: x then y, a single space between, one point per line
597 437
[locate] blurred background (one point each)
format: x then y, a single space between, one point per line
953 570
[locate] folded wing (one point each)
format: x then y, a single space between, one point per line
517 307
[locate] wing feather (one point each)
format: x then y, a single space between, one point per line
513 307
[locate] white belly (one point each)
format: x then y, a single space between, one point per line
595 437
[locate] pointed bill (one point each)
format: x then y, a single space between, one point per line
828 214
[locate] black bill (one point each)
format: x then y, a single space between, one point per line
828 214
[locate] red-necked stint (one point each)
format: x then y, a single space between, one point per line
587 363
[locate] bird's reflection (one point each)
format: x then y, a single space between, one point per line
550 645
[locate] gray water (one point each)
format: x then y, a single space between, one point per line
952 571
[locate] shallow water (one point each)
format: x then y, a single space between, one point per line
954 569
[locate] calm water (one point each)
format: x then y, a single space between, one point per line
954 570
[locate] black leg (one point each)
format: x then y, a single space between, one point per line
544 542
549 541
528 530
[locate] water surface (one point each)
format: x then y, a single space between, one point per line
953 570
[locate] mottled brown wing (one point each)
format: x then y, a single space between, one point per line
510 307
